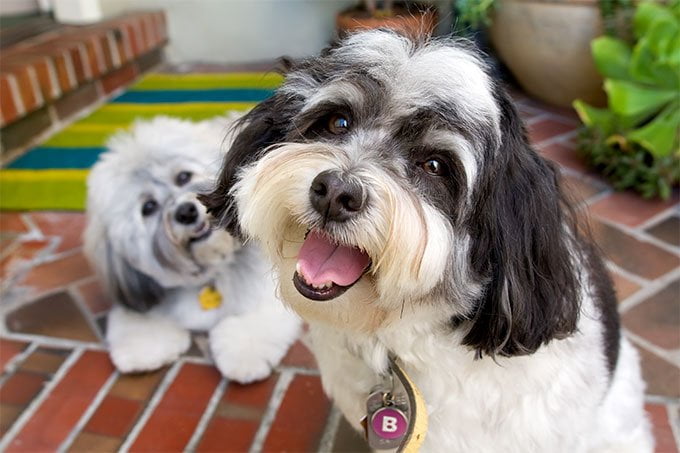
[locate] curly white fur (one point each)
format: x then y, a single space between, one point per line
155 265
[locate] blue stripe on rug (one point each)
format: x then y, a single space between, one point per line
45 157
172 96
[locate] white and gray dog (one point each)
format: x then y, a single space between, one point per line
151 243
392 183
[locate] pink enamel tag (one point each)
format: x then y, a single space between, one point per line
389 423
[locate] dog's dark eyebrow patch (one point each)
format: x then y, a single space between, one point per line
413 126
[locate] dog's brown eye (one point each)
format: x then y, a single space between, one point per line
338 124
149 207
182 178
434 167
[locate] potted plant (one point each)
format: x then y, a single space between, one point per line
413 19
635 141
546 45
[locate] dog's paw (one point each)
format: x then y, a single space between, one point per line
145 353
241 355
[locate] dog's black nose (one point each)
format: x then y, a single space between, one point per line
334 198
186 213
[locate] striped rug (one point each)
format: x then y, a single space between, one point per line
52 175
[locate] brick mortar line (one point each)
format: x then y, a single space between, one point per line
531 109
7 251
660 399
24 265
661 353
285 378
659 218
298 370
26 294
33 227
54 342
113 49
158 395
55 88
588 202
641 281
45 256
72 290
87 415
15 94
35 85
33 407
70 69
640 234
590 178
540 116
207 416
559 138
566 120
652 288
13 364
198 360
85 60
60 255
329 432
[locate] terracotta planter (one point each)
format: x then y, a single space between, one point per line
546 45
415 21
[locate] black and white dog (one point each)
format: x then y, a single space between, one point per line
151 243
393 186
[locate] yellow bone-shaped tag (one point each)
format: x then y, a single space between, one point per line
209 298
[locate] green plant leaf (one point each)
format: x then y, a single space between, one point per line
646 68
674 6
660 136
630 99
612 57
671 55
646 14
600 119
661 34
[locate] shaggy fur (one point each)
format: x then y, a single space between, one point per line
150 241
479 283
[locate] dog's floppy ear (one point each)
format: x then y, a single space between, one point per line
523 244
261 127
132 288
127 285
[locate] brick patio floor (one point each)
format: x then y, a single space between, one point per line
59 391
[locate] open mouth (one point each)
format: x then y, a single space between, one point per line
203 231
325 269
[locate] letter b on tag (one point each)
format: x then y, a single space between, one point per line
389 423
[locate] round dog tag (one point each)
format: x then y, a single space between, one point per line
389 423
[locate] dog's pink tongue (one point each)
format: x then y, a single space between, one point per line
321 261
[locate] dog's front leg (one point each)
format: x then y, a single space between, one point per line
143 341
246 347
345 375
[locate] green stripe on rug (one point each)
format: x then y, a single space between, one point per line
209 81
43 189
124 114
84 135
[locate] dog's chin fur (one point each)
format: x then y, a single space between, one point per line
156 259
479 282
